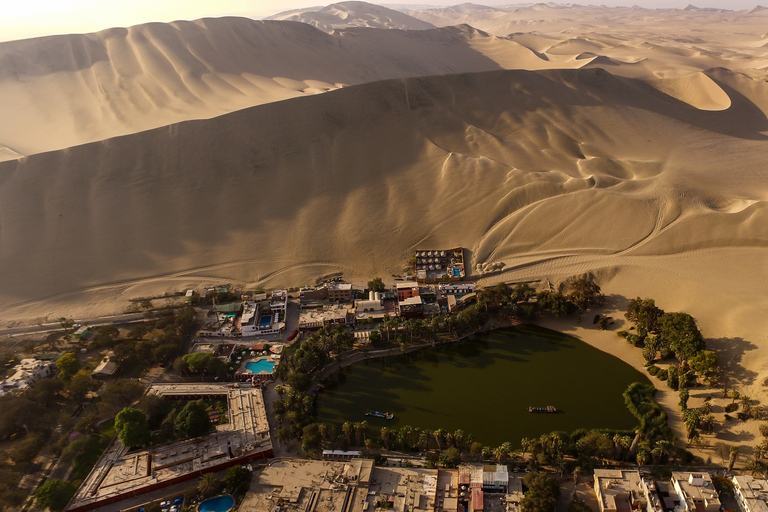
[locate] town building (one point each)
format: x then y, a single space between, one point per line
315 318
310 294
26 373
751 493
370 308
696 492
106 368
412 307
456 288
120 474
406 290
435 266
339 292
619 490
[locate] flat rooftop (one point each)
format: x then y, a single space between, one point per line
321 486
120 472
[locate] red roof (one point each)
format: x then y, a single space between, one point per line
477 499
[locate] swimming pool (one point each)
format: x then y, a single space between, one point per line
262 365
218 504
265 321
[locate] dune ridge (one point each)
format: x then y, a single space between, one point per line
84 88
488 160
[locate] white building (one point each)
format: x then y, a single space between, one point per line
456 288
620 490
751 493
26 373
254 322
696 492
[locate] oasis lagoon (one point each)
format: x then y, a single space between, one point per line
484 385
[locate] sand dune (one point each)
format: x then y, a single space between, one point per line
280 193
68 90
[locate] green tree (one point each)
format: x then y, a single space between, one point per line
450 458
586 294
105 336
193 420
119 394
705 365
45 391
645 314
682 334
55 494
236 477
67 366
376 285
542 494
132 428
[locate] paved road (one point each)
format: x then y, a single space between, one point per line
56 326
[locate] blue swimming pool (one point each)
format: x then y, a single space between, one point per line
262 365
217 504
265 321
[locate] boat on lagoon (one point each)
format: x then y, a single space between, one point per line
548 409
385 415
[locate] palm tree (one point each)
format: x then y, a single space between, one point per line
733 454
661 450
385 437
424 436
358 433
759 452
209 485
746 403
525 444
458 438
755 468
439 434
500 454
707 423
734 395
577 475
693 436
348 428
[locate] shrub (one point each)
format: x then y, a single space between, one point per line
662 375
653 370
622 334
731 407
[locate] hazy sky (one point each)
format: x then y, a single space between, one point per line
21 19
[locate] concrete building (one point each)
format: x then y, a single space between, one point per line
372 307
412 308
106 368
456 288
696 492
619 490
751 493
309 293
339 292
120 474
26 373
315 318
406 290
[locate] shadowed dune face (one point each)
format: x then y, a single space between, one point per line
507 163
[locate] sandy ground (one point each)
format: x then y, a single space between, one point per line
580 140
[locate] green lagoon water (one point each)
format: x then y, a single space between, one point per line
484 386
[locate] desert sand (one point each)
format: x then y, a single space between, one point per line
629 144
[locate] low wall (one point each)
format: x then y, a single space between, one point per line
179 479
